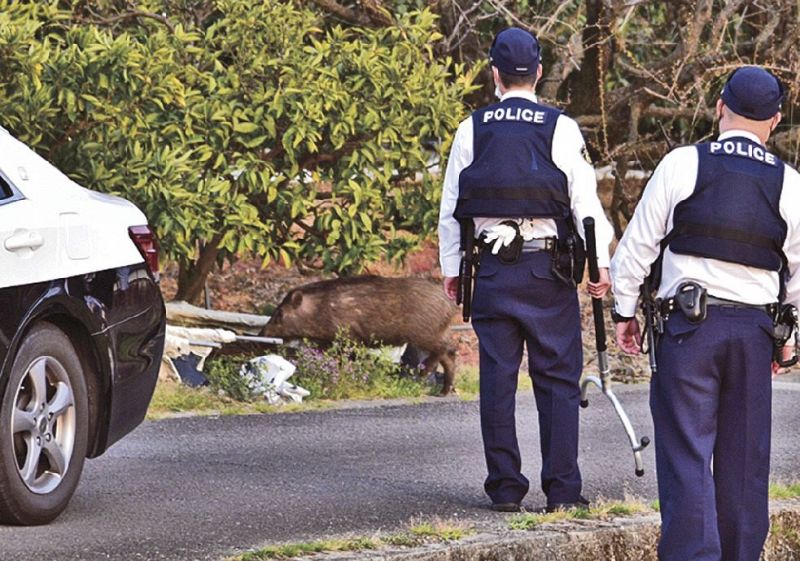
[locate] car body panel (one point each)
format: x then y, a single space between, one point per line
134 320
122 312
54 228
66 257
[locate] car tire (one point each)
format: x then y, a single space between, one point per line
43 428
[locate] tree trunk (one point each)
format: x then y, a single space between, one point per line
582 86
192 274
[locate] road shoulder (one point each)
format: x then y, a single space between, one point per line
632 538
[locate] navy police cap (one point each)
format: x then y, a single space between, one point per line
753 92
515 51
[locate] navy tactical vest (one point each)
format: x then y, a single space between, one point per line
512 174
733 214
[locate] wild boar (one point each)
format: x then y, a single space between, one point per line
373 310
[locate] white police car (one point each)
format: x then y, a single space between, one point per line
81 330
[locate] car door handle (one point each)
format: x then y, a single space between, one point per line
24 240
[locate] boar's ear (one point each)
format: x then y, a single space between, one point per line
296 299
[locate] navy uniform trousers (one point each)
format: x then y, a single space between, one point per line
711 403
524 304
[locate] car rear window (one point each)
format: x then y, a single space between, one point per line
5 189
6 192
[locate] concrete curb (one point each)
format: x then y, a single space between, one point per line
622 539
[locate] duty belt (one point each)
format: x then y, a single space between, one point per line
668 305
538 244
528 246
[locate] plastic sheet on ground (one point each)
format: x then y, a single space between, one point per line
207 335
181 342
267 376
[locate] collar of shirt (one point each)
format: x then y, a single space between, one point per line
524 94
739 132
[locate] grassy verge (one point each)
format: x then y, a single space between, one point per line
467 384
418 533
604 510
346 369
171 398
600 511
436 530
439 530
289 551
784 490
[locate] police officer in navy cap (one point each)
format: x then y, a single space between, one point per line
719 227
518 181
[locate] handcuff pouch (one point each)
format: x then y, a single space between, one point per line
691 299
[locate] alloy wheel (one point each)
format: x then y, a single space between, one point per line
43 425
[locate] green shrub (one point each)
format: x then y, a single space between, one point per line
258 128
223 374
346 369
349 369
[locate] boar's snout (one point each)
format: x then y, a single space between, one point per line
273 326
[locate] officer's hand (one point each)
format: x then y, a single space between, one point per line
501 235
600 288
629 336
451 287
788 352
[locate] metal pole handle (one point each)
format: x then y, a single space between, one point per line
594 276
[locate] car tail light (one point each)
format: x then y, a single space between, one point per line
147 244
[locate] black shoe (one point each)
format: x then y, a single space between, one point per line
582 502
506 507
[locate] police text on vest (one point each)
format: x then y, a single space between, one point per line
744 149
514 114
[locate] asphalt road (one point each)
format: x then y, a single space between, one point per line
202 488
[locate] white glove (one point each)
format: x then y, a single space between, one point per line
501 234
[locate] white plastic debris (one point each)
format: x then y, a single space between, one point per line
267 376
393 354
181 341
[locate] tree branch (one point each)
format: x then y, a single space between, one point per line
376 16
111 20
68 135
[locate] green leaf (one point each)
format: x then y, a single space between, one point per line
244 127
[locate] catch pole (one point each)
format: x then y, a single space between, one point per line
604 381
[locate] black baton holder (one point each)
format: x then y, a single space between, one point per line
466 268
784 326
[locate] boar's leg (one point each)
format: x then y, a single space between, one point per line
448 360
446 357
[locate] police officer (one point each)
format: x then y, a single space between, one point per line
726 215
517 173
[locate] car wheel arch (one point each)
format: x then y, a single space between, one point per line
33 489
96 365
